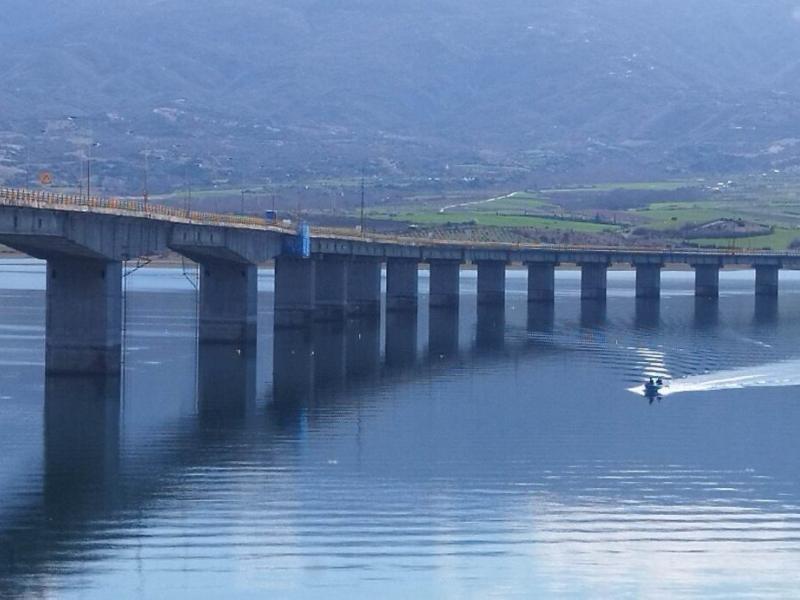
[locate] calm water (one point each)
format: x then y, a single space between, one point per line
482 455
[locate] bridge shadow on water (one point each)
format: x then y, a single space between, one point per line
93 487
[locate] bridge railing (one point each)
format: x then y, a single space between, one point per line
38 199
138 208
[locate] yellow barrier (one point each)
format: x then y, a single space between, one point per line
35 199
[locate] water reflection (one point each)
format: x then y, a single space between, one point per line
353 472
541 317
765 310
363 348
226 380
330 365
593 313
401 339
706 313
442 332
293 366
82 444
647 314
490 328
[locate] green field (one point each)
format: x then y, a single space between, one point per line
488 219
776 205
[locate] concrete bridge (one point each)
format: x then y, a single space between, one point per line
86 241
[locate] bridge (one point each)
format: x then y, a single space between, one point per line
86 242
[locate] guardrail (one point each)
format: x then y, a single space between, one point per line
138 208
37 199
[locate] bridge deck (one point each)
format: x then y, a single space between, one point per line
353 242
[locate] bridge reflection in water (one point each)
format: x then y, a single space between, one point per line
91 489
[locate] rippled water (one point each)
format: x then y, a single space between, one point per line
486 454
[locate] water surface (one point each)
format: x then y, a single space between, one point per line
482 454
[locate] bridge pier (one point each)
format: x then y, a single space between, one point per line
542 282
706 280
444 283
84 316
330 288
402 282
594 280
364 288
228 302
767 280
491 282
294 291
648 280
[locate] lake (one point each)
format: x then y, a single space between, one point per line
478 454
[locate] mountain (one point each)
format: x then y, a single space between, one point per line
234 91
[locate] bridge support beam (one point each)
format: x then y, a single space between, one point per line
444 283
648 280
706 280
594 280
330 288
228 302
541 282
491 282
84 316
767 280
294 291
364 288
402 282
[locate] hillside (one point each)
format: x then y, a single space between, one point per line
242 91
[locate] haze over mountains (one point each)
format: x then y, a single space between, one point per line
244 91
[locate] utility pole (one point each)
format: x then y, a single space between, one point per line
146 160
188 193
362 206
27 166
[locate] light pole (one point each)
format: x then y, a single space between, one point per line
146 161
89 169
362 206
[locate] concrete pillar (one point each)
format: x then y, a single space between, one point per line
330 288
444 283
364 288
402 282
294 291
648 280
491 282
84 316
228 302
594 284
706 281
541 282
767 280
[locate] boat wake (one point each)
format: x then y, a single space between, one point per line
778 374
